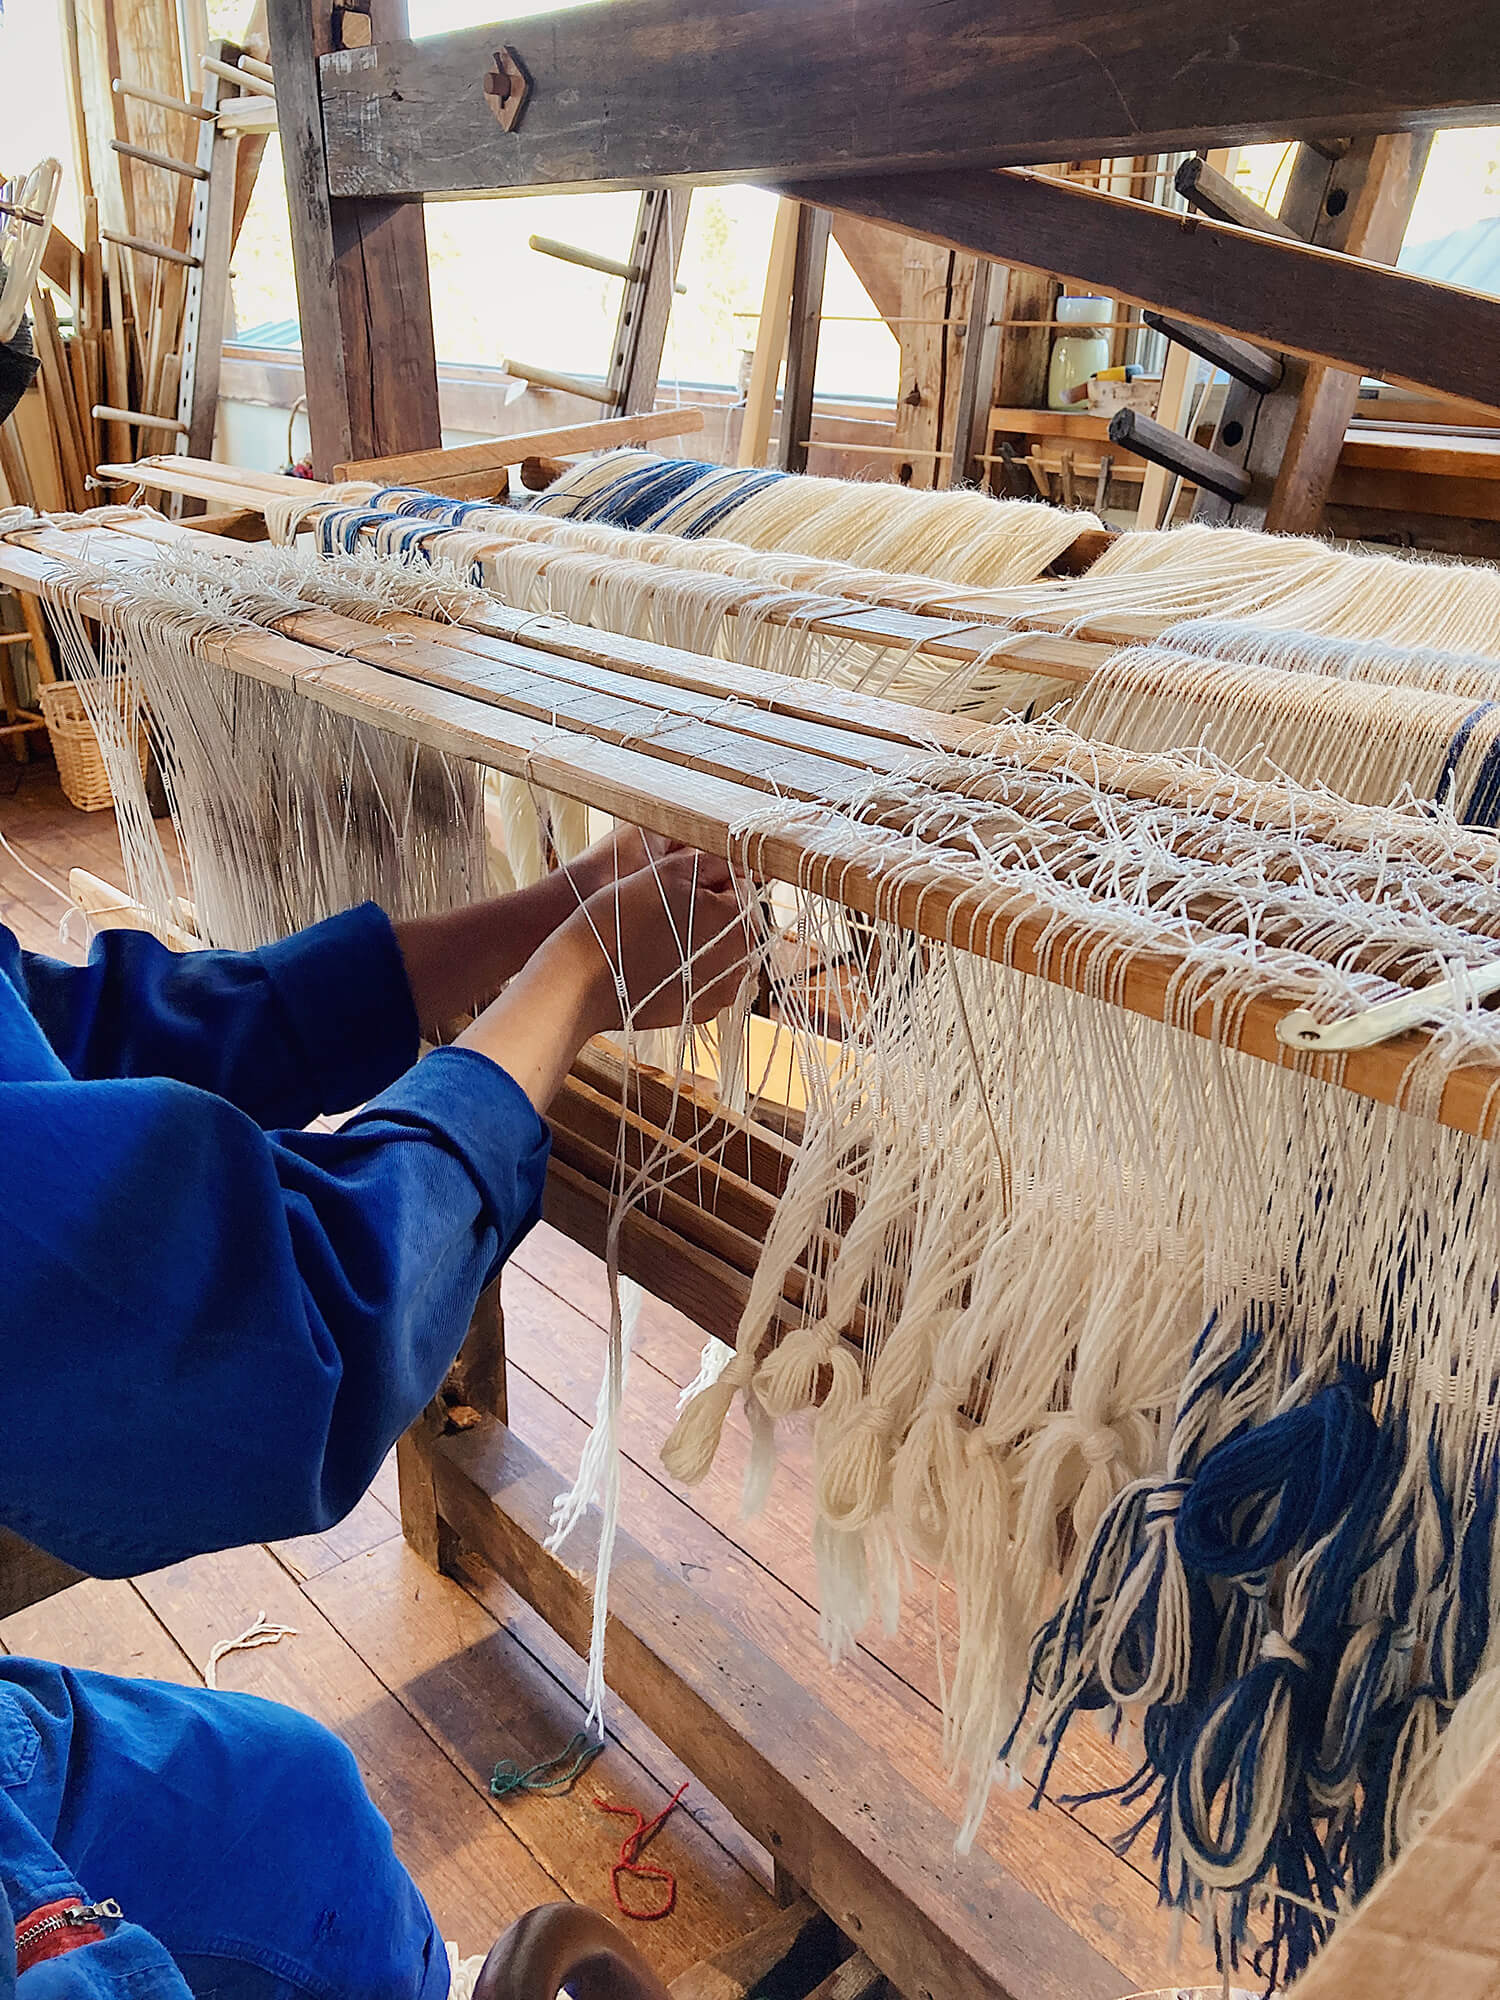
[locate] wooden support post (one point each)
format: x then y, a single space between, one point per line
809 270
362 288
1289 440
646 307
976 386
1379 210
475 1383
206 303
770 338
1174 410
926 285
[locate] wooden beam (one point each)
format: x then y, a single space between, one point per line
442 469
829 1807
362 289
809 270
1294 297
849 86
770 337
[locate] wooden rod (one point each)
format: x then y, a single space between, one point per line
568 385
163 251
248 81
1215 195
592 260
165 161
253 66
160 98
1163 446
1251 365
106 413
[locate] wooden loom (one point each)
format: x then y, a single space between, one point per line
791 1774
887 113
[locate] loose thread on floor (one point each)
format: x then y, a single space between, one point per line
553 1776
631 1864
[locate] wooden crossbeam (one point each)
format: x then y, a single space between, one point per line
1294 297
834 87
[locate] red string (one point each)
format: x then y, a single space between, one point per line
630 1863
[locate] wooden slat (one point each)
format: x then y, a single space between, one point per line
1294 297
848 86
791 1774
363 297
439 469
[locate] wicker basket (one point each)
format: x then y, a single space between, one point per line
80 761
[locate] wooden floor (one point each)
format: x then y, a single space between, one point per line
431 1680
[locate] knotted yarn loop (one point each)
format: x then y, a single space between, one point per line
1276 1646
1165 1503
1279 1486
787 1380
1101 1446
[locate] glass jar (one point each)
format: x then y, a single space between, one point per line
1078 355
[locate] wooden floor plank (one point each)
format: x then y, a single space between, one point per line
477 1877
481 1696
365 1527
105 1625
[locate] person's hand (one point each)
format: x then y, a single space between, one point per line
671 938
667 941
624 852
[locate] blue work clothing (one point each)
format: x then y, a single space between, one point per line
236 1837
214 1332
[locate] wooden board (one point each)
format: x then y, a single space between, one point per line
441 470
1290 296
942 1929
476 1874
652 89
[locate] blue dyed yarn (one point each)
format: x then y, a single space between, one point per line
737 494
1258 1497
1482 807
631 500
1456 749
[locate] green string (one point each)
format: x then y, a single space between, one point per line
553 1776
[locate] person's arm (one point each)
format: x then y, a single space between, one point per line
316 1023
214 1335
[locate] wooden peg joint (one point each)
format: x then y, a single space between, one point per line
506 88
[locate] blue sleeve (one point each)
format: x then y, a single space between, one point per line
316 1023
214 1335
